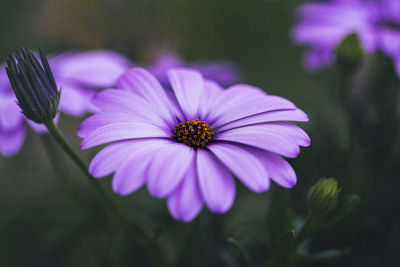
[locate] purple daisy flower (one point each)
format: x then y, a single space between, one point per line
323 25
79 74
185 143
223 72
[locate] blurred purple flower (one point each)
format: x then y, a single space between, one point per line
79 74
323 25
223 72
186 143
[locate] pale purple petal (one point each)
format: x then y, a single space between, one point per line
74 101
11 141
243 164
268 116
102 119
222 72
164 62
279 169
143 83
98 68
215 181
110 158
390 41
113 100
268 138
10 113
319 57
133 170
212 91
248 107
168 167
185 202
121 131
291 130
188 86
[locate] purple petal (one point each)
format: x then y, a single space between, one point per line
110 158
10 113
212 91
75 101
222 72
216 183
265 137
133 170
102 119
239 107
390 41
11 141
121 131
291 130
185 202
125 102
244 165
99 68
269 116
317 58
163 63
168 168
143 83
279 170
188 86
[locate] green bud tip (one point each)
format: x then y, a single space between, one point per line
323 196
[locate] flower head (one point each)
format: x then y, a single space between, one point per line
34 85
323 25
185 143
79 74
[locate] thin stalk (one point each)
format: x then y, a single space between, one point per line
305 231
141 238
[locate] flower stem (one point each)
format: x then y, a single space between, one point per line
140 236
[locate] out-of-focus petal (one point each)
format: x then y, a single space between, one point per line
11 141
98 68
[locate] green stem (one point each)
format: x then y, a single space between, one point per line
305 231
141 238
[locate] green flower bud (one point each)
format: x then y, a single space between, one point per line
33 85
323 196
349 52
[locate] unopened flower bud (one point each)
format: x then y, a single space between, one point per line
349 52
323 196
33 85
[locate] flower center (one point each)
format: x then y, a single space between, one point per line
194 133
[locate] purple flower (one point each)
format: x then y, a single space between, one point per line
223 72
79 75
323 25
185 143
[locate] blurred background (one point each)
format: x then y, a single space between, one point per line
52 217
